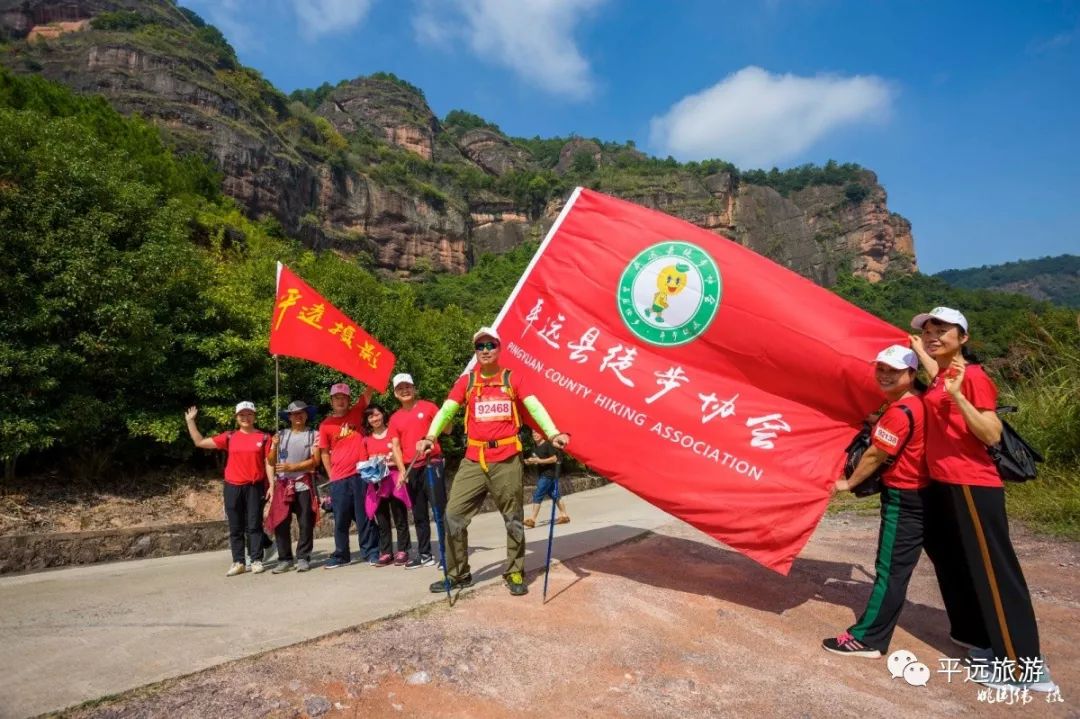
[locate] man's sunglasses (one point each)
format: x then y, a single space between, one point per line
481 346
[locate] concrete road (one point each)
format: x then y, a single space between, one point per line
77 634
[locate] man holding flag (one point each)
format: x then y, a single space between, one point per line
492 397
340 447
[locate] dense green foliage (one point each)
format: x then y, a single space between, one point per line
133 289
1057 278
459 122
803 176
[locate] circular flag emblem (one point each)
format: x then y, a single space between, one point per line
669 293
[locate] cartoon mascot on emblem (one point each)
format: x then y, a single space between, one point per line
671 281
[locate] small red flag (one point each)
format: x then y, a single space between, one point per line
305 325
702 376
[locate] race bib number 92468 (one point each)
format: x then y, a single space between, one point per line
493 410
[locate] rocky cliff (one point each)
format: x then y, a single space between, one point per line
368 170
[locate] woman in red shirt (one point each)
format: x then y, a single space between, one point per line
245 482
387 499
966 524
897 453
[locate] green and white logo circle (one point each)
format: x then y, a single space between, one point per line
669 293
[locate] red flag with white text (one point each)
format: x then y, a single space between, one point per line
305 325
707 379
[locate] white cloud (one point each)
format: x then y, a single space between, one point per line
323 17
757 119
533 38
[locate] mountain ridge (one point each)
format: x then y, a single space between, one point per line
366 169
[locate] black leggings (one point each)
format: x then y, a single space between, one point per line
392 507
244 509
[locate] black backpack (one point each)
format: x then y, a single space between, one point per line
858 446
1014 457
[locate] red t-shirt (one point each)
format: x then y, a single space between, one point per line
908 470
374 445
954 455
491 414
411 426
247 453
345 451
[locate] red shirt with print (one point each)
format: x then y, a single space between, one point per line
954 454
491 413
345 451
411 426
384 445
908 470
247 453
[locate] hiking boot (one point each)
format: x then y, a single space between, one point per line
530 523
303 565
440 586
283 566
400 558
847 645
515 582
334 563
384 560
236 568
257 568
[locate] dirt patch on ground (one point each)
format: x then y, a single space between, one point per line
53 504
671 625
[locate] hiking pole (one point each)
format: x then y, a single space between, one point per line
551 529
439 530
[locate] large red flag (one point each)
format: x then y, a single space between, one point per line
702 376
305 325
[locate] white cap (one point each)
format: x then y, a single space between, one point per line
898 357
487 332
945 314
244 405
402 378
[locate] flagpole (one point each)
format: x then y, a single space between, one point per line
277 360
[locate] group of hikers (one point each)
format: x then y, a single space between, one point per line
941 491
381 465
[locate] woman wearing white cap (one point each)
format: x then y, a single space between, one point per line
896 452
245 482
966 523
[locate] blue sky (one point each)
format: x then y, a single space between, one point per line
968 112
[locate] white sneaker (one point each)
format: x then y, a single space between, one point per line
257 568
236 568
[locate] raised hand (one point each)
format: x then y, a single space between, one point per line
191 413
954 376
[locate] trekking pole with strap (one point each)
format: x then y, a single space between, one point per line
439 530
551 527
